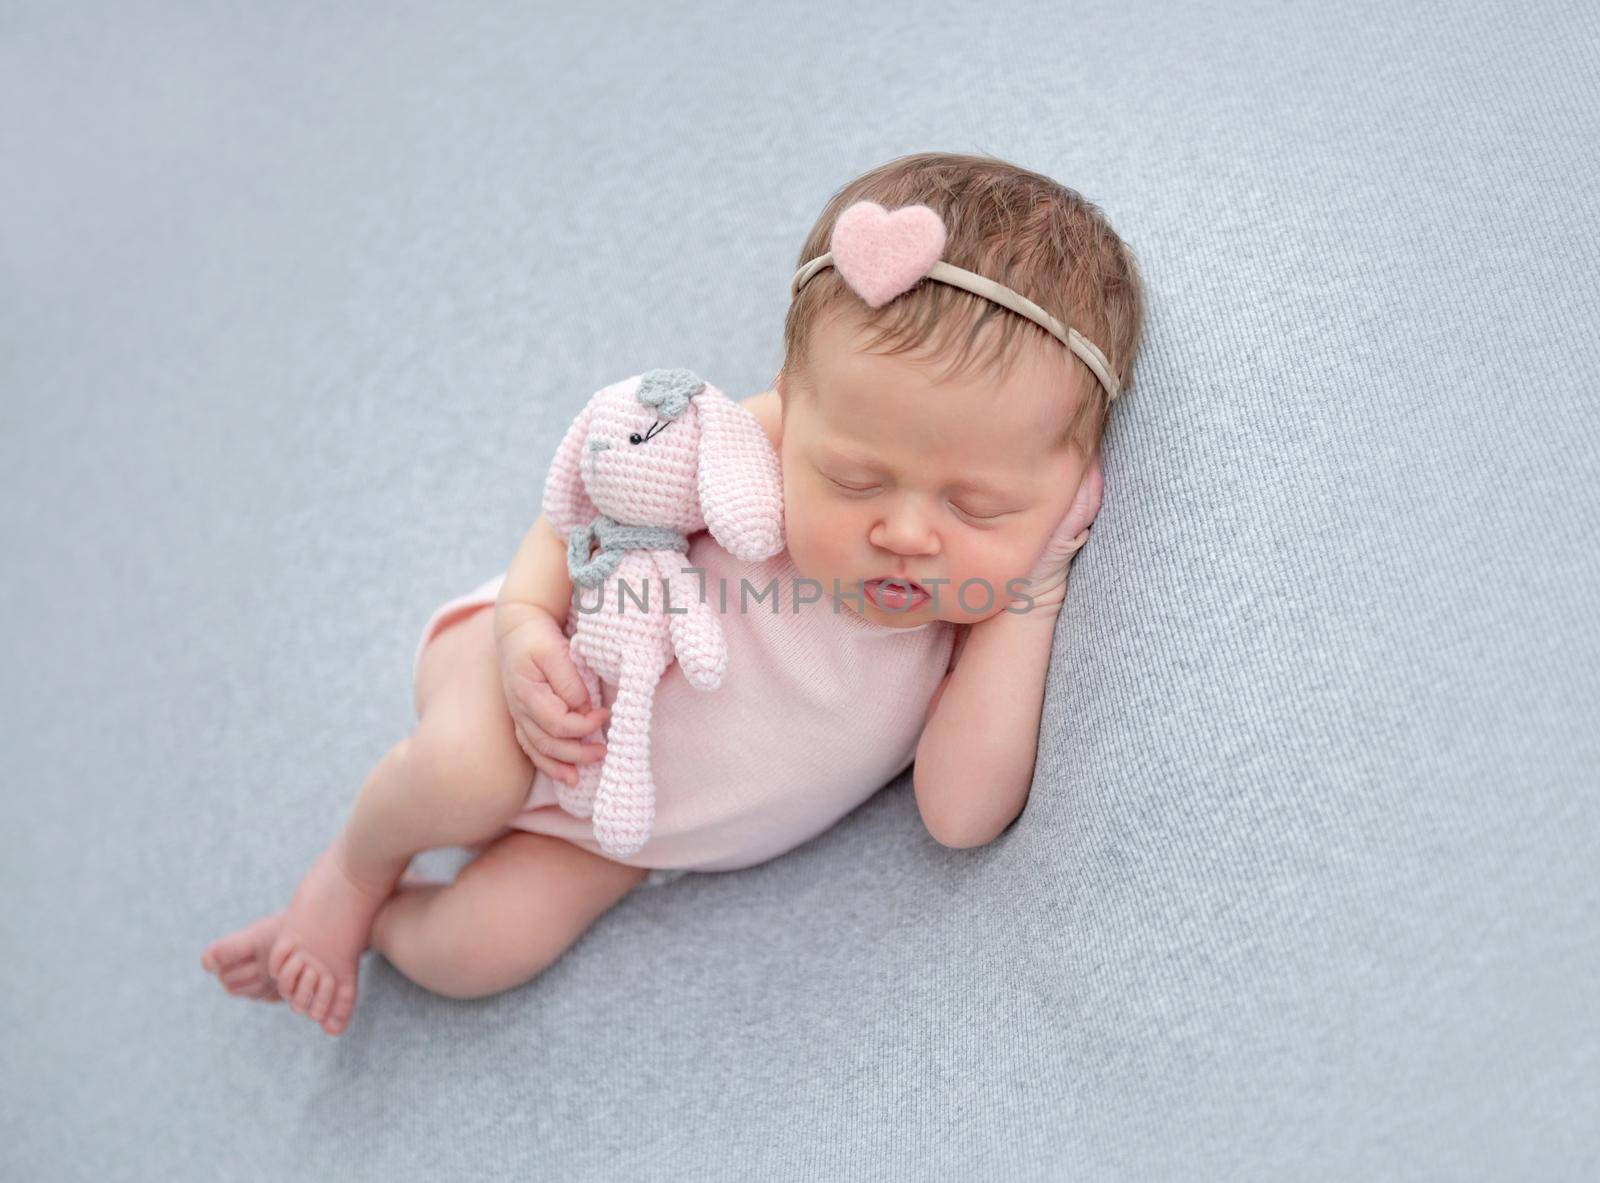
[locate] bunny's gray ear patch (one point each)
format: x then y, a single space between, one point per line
669 391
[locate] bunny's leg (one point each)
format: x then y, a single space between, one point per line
625 802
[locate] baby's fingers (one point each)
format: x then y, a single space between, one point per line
554 718
547 765
563 677
572 751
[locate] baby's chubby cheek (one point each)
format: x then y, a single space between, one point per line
985 571
818 544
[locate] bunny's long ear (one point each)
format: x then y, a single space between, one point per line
566 501
741 479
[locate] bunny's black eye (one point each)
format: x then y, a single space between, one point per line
636 438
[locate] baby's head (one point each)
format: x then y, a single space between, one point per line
942 436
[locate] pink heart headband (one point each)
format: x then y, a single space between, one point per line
881 254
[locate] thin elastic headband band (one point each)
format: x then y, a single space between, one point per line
881 254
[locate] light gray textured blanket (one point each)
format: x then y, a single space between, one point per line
293 304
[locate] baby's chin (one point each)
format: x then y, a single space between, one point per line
876 615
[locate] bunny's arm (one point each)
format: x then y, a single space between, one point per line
696 633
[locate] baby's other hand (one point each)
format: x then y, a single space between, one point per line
1047 581
548 701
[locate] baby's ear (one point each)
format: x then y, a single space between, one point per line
1086 503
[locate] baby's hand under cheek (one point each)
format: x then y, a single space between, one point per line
1047 581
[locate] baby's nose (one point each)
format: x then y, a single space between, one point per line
599 445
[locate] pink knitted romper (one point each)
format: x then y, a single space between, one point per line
818 710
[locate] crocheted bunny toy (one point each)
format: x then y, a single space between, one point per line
649 461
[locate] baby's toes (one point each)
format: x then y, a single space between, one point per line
278 957
324 998
306 989
223 954
289 976
344 1002
241 978
263 989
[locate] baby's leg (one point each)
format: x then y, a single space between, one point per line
462 774
456 780
510 912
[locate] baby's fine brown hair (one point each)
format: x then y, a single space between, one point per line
1008 223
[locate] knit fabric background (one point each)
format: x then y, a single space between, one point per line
296 301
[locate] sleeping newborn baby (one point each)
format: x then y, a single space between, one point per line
939 439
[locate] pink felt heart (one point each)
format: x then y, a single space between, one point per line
881 254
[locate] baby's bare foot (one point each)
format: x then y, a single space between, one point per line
240 960
315 960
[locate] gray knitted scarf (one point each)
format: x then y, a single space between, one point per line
615 539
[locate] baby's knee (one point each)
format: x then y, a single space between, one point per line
467 771
464 983
470 966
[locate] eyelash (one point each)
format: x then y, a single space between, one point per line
963 512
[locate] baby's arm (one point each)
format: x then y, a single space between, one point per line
551 703
975 759
536 581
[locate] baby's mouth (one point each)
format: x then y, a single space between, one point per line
894 594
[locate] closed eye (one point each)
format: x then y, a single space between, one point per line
962 510
853 488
